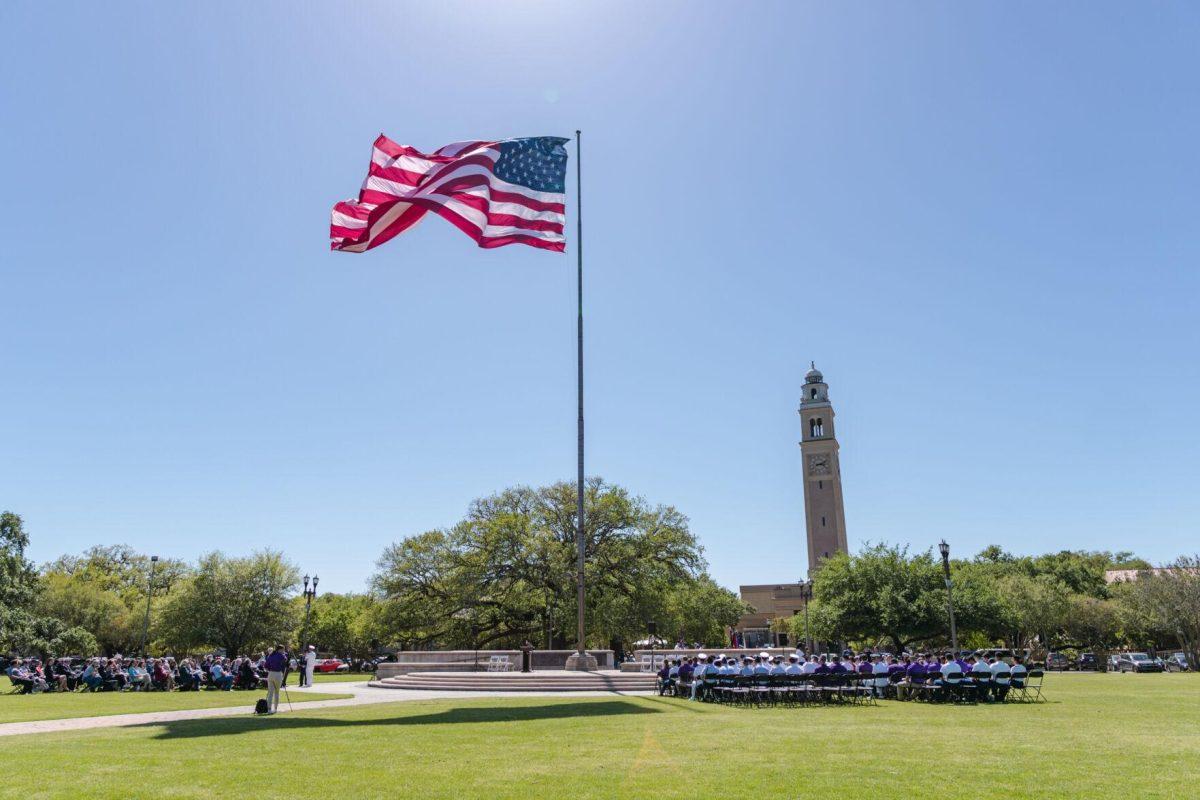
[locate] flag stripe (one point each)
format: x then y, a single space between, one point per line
461 184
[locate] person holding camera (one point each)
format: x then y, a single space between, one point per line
276 663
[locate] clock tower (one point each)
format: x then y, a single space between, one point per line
823 510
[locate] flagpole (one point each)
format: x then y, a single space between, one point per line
581 661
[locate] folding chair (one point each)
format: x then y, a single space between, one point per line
797 689
1003 681
827 687
739 689
983 685
809 691
648 664
958 689
1030 690
780 691
864 689
760 689
708 691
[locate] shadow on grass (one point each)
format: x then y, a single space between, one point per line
675 703
227 726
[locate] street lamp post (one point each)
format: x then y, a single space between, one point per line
806 595
149 597
944 549
309 594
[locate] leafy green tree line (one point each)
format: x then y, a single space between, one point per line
885 596
505 573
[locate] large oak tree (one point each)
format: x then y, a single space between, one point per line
507 572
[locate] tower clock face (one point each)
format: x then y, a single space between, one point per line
819 464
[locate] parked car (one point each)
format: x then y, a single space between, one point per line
1057 661
331 665
1112 662
1177 662
1137 662
1087 662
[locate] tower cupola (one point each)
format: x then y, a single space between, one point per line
815 388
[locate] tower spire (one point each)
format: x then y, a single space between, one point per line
825 517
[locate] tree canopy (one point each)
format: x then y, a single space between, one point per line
23 628
507 571
239 604
883 593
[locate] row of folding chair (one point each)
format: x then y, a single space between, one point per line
960 688
760 690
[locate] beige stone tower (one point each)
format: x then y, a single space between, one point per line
823 509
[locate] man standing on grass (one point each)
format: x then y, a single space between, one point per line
292 665
310 663
276 663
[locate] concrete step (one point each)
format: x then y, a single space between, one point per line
540 681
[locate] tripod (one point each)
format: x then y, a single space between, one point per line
288 696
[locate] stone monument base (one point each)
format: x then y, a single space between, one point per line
581 662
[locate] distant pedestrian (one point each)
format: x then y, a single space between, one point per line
293 664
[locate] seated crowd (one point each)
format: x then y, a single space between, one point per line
922 676
121 673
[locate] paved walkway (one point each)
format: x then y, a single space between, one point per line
363 695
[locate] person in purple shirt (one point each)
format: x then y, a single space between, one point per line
685 673
664 677
822 667
914 675
276 663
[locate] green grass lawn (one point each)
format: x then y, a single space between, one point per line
1101 736
53 705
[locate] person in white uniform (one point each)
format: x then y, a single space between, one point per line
702 669
310 663
879 671
1018 672
1001 676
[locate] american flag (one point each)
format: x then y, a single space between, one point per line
498 193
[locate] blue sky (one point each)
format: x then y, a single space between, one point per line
980 220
